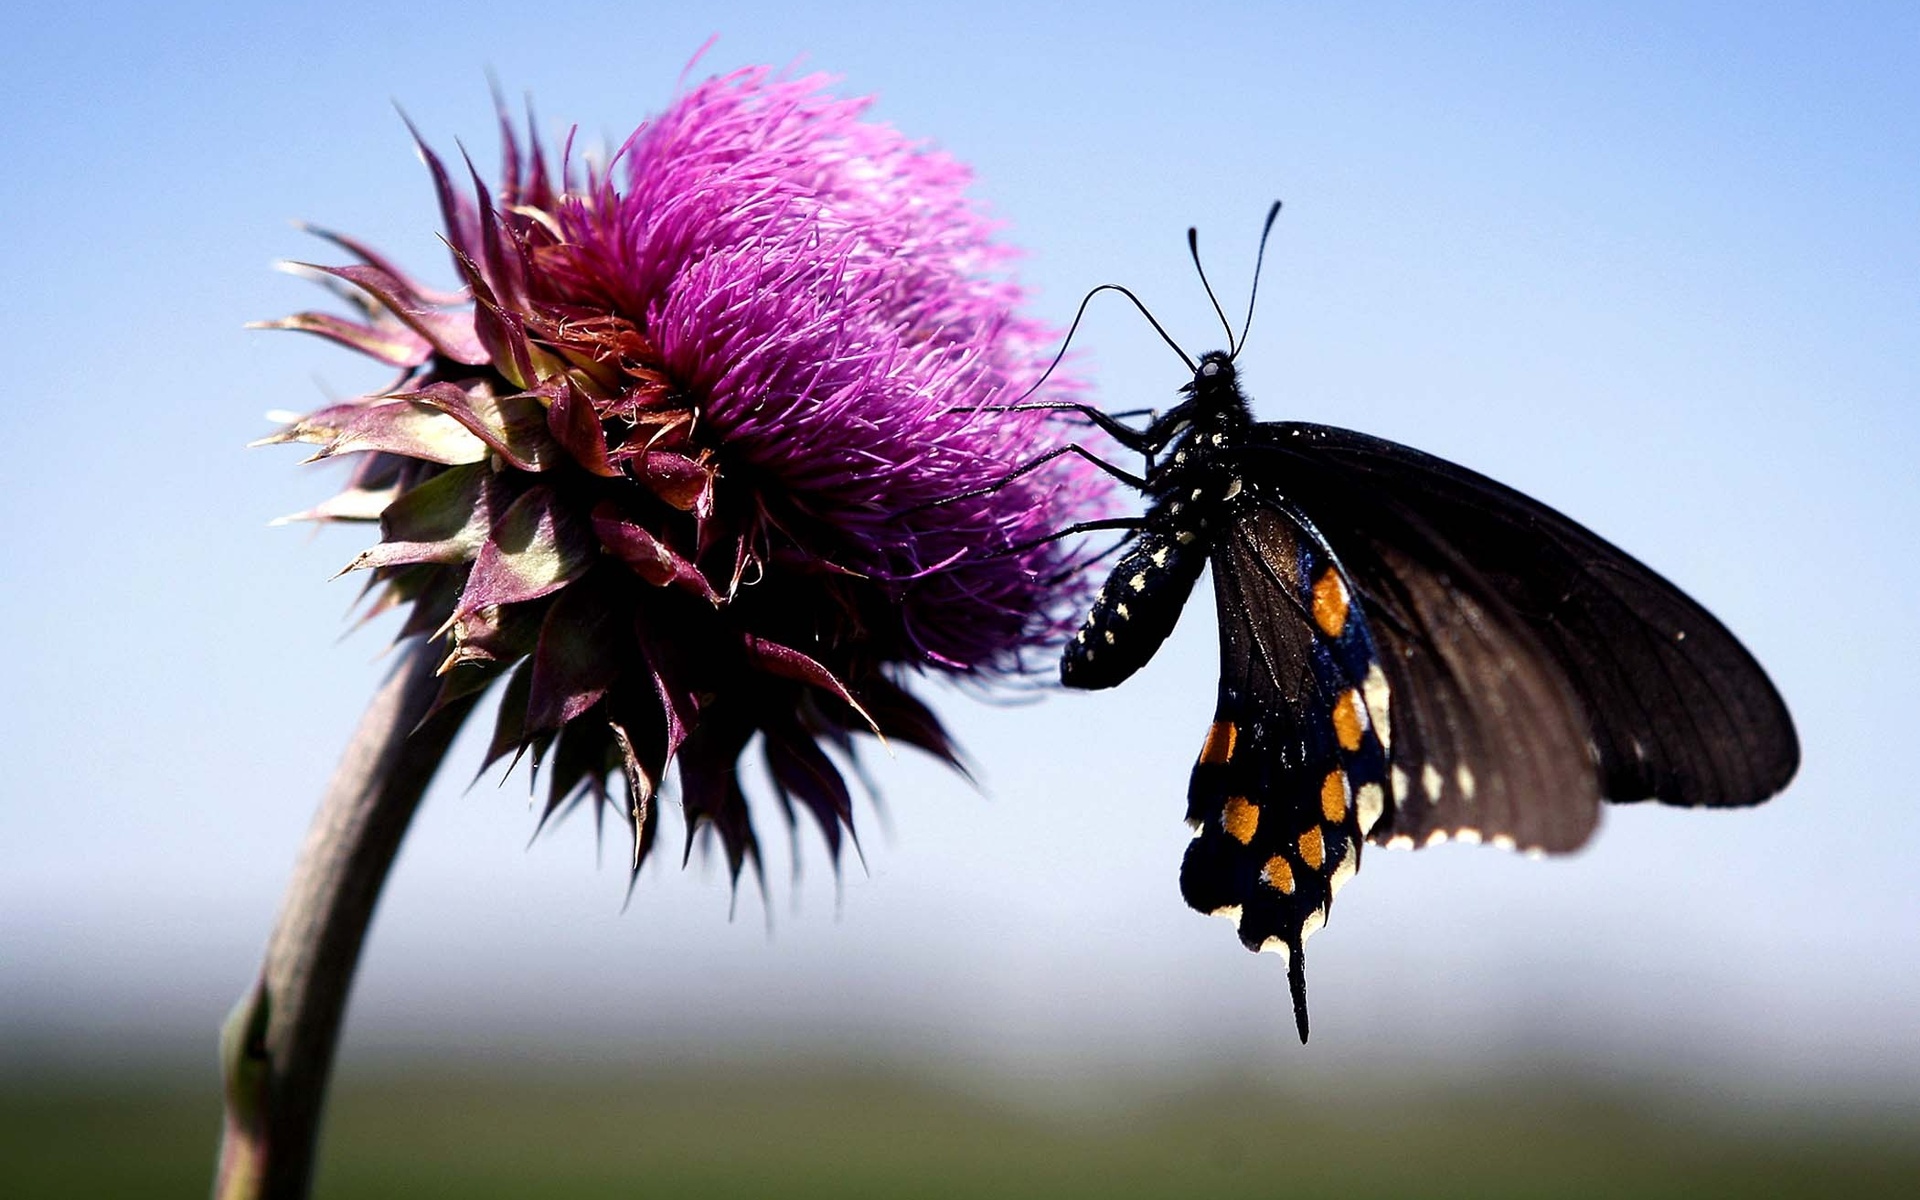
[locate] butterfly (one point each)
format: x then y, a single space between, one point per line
1410 653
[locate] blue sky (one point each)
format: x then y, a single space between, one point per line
1659 268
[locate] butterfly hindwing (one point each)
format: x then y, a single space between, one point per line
1293 771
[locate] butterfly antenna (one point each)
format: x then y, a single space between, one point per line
1068 340
1193 248
1259 258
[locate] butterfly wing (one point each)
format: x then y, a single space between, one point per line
1487 740
1507 631
1293 772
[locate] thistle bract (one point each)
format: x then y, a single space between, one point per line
690 457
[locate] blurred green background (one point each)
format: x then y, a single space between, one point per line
841 1127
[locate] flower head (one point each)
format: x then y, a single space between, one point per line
692 458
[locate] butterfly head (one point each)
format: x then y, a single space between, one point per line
1214 398
1215 366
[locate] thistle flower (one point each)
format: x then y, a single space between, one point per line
687 459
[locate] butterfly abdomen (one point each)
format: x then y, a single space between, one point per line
1136 610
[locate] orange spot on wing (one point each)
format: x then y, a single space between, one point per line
1349 720
1279 875
1313 848
1240 818
1330 603
1220 739
1333 798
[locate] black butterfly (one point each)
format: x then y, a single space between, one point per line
1409 652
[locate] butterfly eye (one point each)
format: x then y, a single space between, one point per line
1210 369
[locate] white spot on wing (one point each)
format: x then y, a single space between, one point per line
1374 690
1470 836
1160 557
1121 609
1274 945
1431 783
1139 582
1436 837
1109 636
1311 925
1349 863
1230 912
1371 803
1233 489
1464 777
1399 841
1504 841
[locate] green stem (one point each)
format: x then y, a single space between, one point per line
277 1046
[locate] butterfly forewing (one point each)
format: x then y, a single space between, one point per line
1293 771
1671 706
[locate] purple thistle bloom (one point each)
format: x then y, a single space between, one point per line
676 462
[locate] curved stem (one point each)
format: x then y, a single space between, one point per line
277 1047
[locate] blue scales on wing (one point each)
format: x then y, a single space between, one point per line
1293 774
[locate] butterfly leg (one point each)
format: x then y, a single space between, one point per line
1140 441
1054 581
1121 473
1130 524
1105 523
